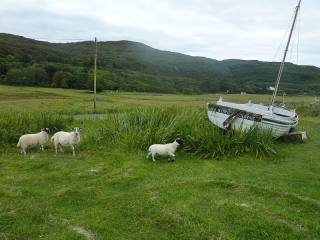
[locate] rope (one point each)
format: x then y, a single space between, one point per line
298 44
283 39
291 51
294 48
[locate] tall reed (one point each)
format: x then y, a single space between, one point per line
14 124
144 126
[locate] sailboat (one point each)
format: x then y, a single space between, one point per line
277 119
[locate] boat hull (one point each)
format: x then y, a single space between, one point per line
245 120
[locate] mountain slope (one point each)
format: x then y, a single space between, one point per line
132 66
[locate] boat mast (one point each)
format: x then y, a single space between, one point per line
285 55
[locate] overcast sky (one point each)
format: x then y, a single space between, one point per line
220 29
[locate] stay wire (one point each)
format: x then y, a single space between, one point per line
283 39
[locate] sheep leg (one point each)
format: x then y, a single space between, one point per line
73 151
148 155
153 159
41 148
172 157
23 151
56 147
60 148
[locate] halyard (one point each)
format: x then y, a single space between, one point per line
110 191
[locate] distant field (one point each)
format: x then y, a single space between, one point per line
80 101
110 191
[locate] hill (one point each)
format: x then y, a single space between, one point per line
132 66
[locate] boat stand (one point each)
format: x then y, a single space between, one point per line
295 136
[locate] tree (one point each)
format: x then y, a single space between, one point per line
15 76
31 76
79 79
3 67
51 68
61 79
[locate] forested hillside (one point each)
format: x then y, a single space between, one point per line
131 66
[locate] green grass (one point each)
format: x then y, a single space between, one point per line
113 192
80 102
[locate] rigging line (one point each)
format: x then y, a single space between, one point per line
299 28
295 44
292 47
283 39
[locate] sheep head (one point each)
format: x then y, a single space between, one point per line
179 141
47 130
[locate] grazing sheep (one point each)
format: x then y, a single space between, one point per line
62 139
29 140
168 149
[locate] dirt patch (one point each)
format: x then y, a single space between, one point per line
86 233
153 195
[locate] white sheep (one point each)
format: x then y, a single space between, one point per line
168 149
62 139
34 139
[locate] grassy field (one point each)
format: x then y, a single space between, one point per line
110 191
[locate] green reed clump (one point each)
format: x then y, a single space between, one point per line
15 124
144 126
139 128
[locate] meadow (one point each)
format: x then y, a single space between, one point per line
221 186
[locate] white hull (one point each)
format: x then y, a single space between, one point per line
278 121
244 124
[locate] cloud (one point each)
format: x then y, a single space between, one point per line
219 29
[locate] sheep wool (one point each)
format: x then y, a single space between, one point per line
63 139
164 150
34 139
